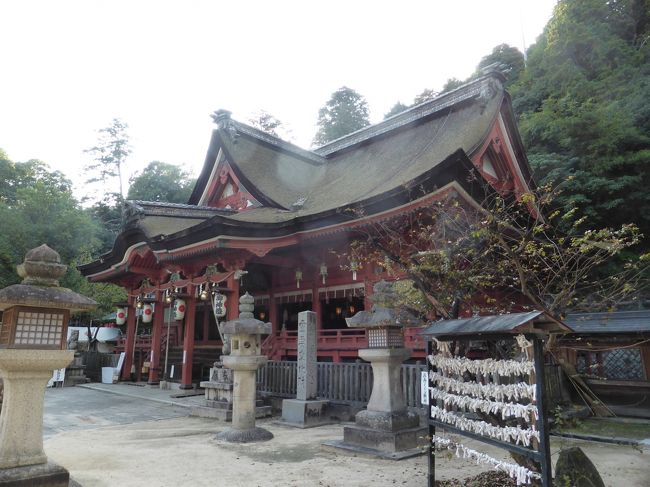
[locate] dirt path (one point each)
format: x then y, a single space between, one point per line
181 452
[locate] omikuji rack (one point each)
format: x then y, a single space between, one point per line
536 327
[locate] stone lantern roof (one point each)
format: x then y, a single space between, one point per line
41 271
384 310
246 323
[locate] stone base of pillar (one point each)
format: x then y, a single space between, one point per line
304 414
232 435
394 436
385 441
45 474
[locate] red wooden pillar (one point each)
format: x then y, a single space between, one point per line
188 344
232 303
156 339
129 346
273 310
316 307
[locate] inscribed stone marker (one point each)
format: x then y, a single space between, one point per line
306 387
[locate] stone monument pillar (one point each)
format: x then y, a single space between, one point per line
32 345
245 358
305 411
386 428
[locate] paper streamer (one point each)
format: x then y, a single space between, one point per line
460 365
499 392
504 409
521 474
512 434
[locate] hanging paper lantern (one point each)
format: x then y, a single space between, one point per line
179 309
120 316
147 313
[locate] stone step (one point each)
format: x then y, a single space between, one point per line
226 414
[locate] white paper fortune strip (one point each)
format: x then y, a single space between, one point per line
500 392
461 365
511 434
521 474
505 409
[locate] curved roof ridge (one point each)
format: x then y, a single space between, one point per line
480 87
277 142
167 204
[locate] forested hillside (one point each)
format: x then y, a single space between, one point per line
583 103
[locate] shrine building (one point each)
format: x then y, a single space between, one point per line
273 219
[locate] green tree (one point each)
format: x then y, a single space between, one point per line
451 84
160 181
509 60
264 121
398 107
109 157
426 95
37 206
345 112
582 104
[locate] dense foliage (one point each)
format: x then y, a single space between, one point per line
345 112
160 181
37 206
583 107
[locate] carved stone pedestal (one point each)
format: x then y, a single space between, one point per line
243 428
25 374
305 414
386 429
218 396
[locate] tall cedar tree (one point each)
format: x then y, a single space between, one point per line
345 112
160 181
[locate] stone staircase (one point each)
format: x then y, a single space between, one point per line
203 359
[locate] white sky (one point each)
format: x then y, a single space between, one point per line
67 68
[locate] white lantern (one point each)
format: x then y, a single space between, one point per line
179 309
120 316
147 313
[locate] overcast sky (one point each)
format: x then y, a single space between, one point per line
69 67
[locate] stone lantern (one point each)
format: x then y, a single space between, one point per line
33 338
386 426
245 358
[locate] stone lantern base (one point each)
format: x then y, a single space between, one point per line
386 429
385 432
44 474
22 460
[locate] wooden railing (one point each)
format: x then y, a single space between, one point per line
339 382
285 342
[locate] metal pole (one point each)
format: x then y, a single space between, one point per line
542 422
135 340
431 452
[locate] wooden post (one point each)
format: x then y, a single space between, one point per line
129 346
232 303
316 306
431 451
542 422
188 343
156 338
645 358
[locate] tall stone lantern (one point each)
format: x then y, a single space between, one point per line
386 426
245 358
33 338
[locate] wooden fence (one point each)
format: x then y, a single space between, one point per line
339 382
